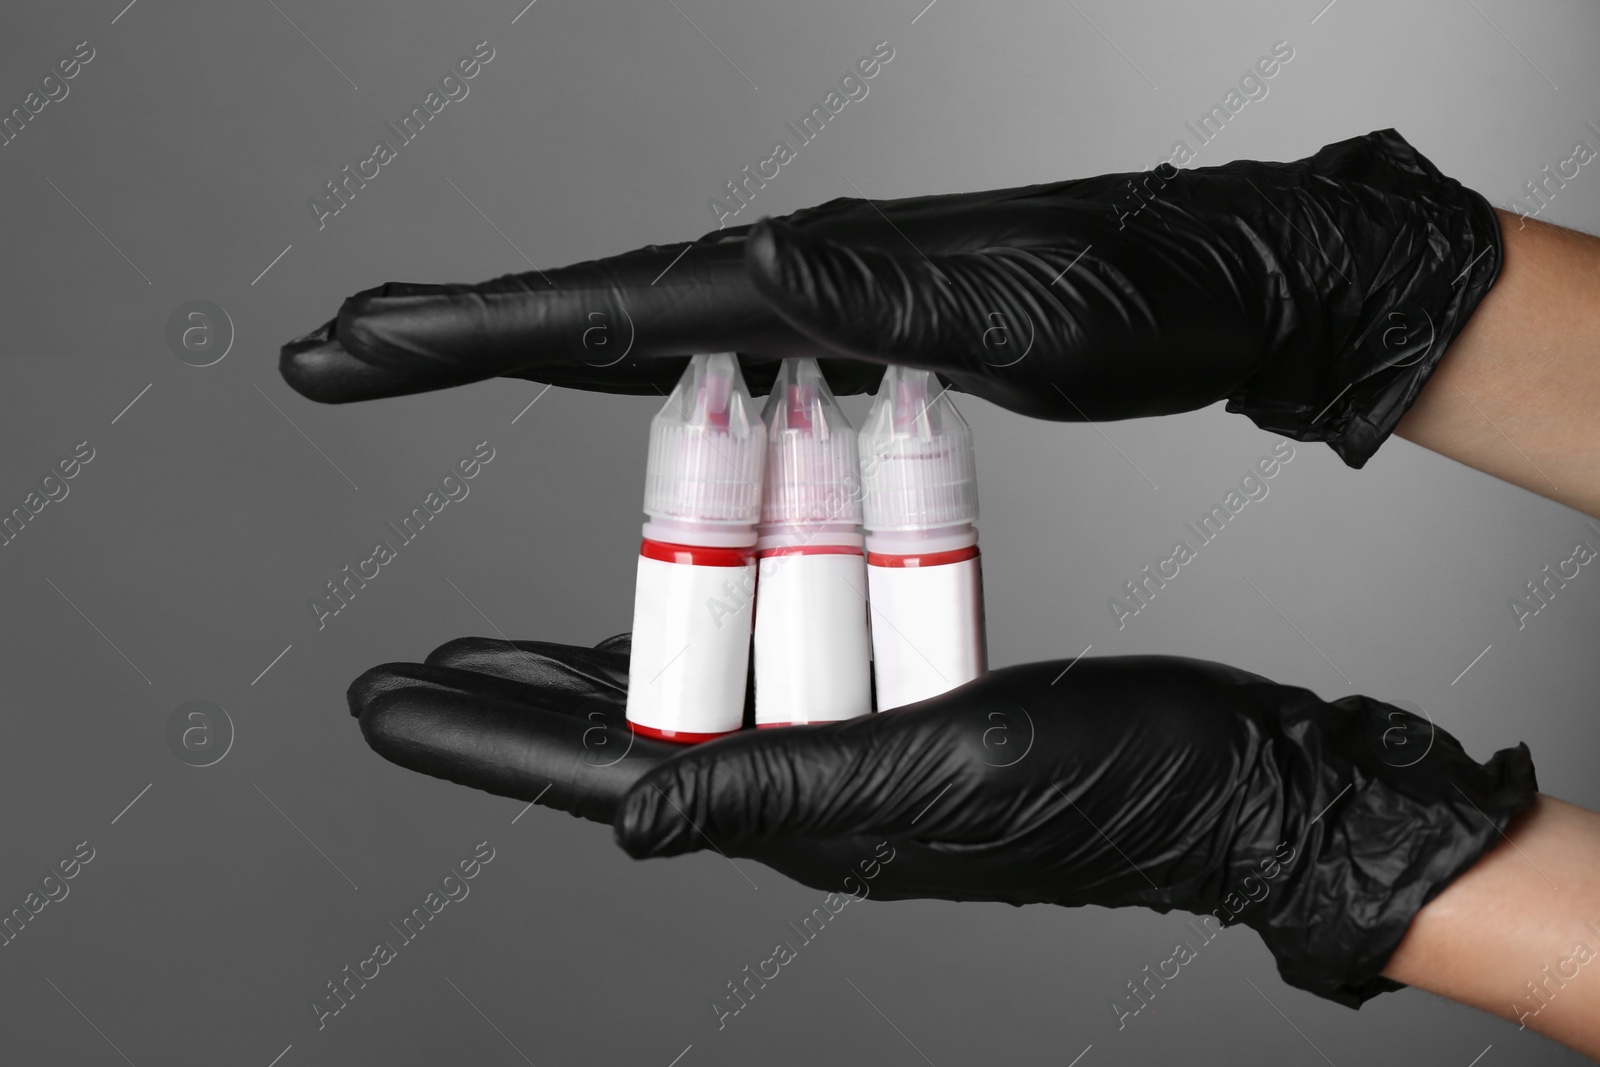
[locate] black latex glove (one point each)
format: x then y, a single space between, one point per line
1315 296
1139 780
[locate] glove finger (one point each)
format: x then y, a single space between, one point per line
567 752
600 672
625 324
620 643
317 366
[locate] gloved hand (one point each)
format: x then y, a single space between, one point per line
1139 780
1316 296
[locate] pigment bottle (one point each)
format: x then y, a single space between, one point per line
694 594
812 648
919 475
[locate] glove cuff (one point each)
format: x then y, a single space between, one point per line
1406 254
1389 840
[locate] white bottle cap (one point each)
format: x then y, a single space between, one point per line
811 452
707 448
918 468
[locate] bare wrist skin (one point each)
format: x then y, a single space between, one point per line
1517 392
1518 935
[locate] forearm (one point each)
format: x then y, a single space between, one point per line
1519 934
1518 393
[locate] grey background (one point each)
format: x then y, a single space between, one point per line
207 921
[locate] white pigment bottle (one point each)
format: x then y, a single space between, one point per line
812 646
919 476
693 599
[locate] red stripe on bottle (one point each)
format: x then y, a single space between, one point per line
810 550
682 737
696 555
930 559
